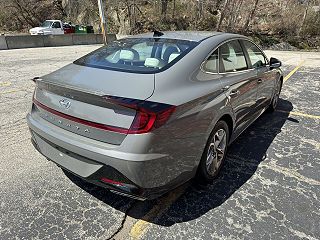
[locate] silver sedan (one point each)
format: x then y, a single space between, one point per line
147 113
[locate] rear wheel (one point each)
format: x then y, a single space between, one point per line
214 153
275 99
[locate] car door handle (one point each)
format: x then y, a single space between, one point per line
259 81
234 93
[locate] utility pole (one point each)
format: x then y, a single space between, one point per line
102 22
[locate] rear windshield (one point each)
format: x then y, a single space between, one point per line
142 55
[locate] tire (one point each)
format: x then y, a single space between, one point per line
274 102
207 172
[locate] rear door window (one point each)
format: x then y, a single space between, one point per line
232 58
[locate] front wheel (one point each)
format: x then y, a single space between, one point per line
275 99
214 153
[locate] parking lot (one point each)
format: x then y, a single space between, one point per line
268 189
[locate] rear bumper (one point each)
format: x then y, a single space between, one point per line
81 166
142 174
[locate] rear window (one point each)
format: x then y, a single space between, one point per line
141 55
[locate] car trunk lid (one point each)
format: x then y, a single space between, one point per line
76 99
103 82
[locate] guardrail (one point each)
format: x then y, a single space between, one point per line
32 41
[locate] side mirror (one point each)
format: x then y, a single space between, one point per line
275 63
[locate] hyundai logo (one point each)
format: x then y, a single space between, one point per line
65 103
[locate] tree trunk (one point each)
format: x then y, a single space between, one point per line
25 14
58 5
122 18
174 8
222 14
134 18
251 15
236 15
305 14
200 9
232 13
164 7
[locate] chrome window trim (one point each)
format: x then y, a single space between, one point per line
242 71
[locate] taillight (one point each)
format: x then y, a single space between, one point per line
142 123
149 115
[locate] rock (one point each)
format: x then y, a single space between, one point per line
284 46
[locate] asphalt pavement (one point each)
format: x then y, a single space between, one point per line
268 189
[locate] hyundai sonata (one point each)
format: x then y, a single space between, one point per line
147 113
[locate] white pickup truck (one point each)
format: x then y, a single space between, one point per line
48 27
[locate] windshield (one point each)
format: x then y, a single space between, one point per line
46 24
138 54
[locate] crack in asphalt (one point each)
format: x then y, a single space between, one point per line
13 123
290 173
114 235
276 168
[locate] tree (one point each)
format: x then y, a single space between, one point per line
304 15
164 7
222 14
250 16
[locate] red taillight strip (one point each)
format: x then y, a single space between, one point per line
107 180
82 121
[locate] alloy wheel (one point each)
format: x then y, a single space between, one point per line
276 96
216 151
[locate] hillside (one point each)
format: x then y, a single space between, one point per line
268 21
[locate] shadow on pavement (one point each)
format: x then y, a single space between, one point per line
244 157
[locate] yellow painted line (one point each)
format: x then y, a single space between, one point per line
5 84
140 227
293 71
300 114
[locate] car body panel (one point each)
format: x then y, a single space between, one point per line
267 85
80 165
244 103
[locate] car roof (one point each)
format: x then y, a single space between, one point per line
196 36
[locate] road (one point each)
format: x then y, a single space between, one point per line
268 189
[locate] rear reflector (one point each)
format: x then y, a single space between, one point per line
109 181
